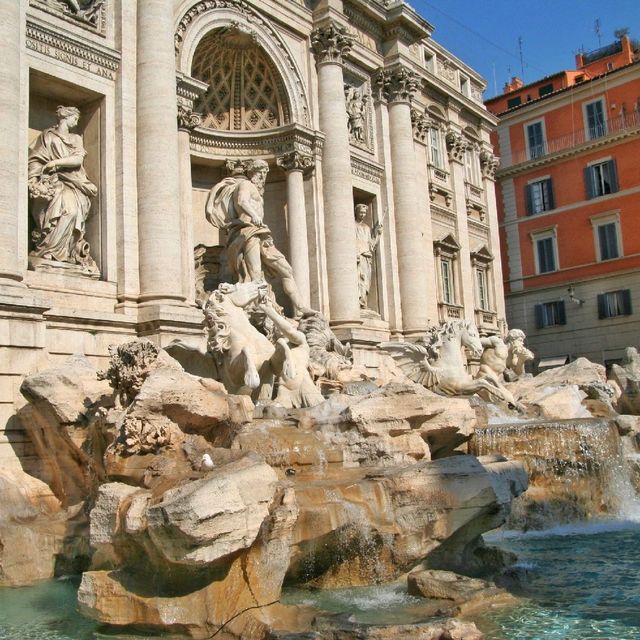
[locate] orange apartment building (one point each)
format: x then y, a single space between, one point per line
568 192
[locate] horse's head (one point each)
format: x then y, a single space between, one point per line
470 338
244 293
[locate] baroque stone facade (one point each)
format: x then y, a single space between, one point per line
349 105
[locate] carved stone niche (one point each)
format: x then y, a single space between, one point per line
357 93
86 257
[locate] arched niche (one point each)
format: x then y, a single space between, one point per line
203 21
246 92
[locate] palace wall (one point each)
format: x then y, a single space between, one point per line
350 103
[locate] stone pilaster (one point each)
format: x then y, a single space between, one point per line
330 43
295 165
11 28
159 224
397 85
187 121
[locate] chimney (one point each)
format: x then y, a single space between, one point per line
515 84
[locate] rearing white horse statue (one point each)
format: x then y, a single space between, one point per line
437 361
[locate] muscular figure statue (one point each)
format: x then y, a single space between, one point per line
236 204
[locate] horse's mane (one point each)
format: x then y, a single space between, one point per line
434 336
217 321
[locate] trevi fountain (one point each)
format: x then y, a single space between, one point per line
249 389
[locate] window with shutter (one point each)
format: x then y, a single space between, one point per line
550 314
596 124
614 303
601 179
546 254
608 241
539 196
535 138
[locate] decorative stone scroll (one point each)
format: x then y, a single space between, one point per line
489 164
188 119
296 161
456 145
397 84
420 124
331 43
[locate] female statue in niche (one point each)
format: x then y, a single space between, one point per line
366 242
60 193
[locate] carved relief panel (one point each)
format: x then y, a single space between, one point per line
90 14
357 93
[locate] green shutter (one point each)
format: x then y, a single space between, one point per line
602 306
539 316
562 314
552 203
626 302
613 175
588 183
528 193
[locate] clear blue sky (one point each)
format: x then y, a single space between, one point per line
484 33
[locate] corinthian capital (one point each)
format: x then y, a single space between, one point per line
397 84
188 119
295 161
331 43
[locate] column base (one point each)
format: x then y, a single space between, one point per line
163 323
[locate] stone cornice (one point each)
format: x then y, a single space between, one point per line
71 50
588 146
396 84
331 43
240 144
367 170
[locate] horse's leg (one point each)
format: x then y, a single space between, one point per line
251 375
281 360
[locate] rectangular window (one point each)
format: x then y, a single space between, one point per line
465 86
471 166
514 102
545 90
429 61
614 303
608 241
550 314
447 281
546 254
435 148
483 292
596 124
601 179
535 139
539 196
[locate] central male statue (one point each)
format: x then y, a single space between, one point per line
236 204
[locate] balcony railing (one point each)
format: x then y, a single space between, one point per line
613 126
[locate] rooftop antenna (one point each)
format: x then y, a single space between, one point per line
597 30
521 58
495 80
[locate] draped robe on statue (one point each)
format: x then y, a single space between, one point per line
61 199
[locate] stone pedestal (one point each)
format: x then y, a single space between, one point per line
295 165
329 44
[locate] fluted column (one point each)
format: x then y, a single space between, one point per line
397 86
11 271
330 43
158 158
295 164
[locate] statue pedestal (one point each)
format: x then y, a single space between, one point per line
67 268
364 338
